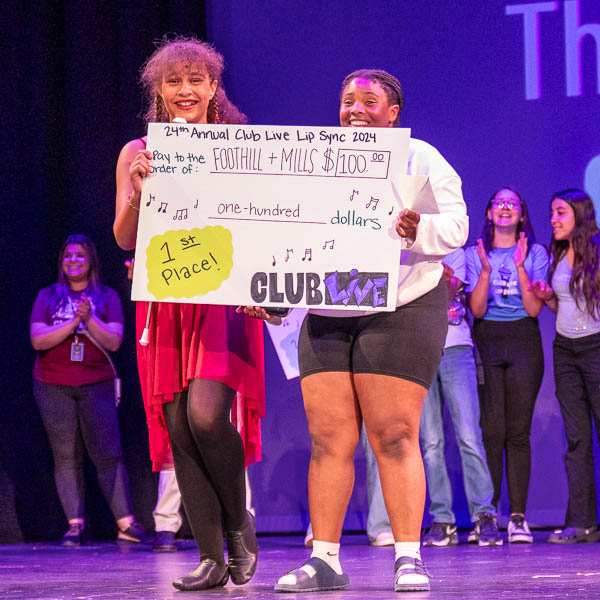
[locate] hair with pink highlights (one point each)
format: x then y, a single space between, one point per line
172 54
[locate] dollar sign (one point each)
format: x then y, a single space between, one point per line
329 164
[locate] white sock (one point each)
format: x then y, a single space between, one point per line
412 550
327 552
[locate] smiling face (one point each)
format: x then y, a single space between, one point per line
364 103
75 263
562 219
186 92
505 209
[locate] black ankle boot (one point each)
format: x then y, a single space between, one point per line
242 550
208 574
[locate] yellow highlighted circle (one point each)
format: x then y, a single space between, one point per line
188 262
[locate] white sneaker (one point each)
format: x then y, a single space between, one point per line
385 538
518 531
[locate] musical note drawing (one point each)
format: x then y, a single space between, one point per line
196 205
180 214
391 211
289 251
274 261
330 242
307 254
374 201
163 207
151 199
353 193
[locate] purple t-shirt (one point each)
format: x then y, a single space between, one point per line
55 365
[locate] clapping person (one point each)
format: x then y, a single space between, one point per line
500 269
574 295
455 384
75 323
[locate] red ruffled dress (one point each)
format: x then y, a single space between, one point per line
205 341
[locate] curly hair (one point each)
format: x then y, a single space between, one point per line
172 53
390 85
584 284
487 232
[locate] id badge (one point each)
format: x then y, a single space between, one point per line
77 351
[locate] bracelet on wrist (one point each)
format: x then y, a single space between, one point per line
131 203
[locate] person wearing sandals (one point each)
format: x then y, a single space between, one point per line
500 268
456 384
376 367
200 359
574 295
74 324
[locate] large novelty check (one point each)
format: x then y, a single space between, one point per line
273 216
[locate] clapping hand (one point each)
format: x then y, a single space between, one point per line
483 257
521 251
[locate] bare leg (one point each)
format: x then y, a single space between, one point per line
334 423
391 408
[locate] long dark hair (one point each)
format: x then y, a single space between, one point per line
487 233
60 294
391 86
585 277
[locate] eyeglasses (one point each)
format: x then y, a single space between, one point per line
510 204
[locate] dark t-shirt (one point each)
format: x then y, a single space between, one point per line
55 365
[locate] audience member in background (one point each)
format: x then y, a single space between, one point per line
574 295
456 384
75 323
500 269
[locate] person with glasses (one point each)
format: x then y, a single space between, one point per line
500 269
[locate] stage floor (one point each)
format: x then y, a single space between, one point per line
107 571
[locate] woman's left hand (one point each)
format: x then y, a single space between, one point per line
84 309
406 224
521 251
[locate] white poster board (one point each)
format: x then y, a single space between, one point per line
271 216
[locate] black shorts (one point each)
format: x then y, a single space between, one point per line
407 343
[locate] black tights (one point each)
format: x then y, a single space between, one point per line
209 463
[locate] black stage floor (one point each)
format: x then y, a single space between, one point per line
108 571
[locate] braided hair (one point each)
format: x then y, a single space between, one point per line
390 85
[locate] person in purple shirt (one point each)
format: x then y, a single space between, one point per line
500 269
74 324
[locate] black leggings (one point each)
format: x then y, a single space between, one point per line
209 463
513 365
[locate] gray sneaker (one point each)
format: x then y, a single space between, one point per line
485 532
518 531
574 535
441 534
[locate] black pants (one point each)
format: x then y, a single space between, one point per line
577 379
513 365
208 455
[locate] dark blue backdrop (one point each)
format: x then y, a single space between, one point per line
463 69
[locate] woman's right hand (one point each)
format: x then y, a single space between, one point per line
483 257
139 169
542 290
